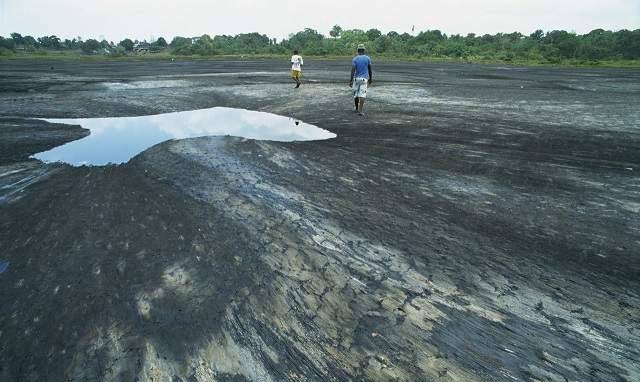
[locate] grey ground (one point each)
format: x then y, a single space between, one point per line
481 223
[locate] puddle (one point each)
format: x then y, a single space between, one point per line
116 140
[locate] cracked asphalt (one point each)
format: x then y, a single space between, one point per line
481 223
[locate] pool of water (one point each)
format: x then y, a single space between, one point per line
116 140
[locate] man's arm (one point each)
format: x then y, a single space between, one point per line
370 74
353 73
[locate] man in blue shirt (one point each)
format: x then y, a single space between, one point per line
361 77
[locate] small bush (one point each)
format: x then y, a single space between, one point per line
4 52
119 51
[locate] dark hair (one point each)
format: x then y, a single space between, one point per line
295 51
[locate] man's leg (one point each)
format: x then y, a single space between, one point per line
294 77
363 95
357 100
361 106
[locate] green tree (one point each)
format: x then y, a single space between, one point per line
17 38
119 51
250 43
49 42
30 42
537 35
308 40
204 46
127 44
628 43
159 44
351 38
381 44
599 44
7 43
514 37
566 43
430 36
182 45
554 46
373 34
70 44
180 42
90 46
335 31
455 49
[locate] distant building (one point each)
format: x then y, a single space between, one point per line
141 47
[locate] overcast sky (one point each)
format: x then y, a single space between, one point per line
144 19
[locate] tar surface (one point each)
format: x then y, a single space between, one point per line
478 224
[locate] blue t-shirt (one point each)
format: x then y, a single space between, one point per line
361 63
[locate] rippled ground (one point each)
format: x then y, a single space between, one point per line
480 223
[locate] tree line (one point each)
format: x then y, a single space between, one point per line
552 46
18 43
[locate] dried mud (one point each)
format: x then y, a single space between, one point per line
479 224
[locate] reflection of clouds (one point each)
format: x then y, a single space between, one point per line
116 140
236 122
100 126
214 121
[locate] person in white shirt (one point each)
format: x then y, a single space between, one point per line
296 68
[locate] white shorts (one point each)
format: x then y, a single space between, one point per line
360 87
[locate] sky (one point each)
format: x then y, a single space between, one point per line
149 19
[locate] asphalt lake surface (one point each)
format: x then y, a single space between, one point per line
117 140
480 223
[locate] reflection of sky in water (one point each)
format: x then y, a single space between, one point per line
116 140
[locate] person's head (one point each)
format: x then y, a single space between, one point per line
295 51
361 49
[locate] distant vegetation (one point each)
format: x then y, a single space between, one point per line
539 47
